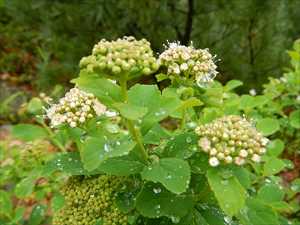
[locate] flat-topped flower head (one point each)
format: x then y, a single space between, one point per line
125 56
75 108
231 139
87 200
188 62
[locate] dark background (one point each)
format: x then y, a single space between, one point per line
42 41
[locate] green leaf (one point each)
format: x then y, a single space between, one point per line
257 213
181 146
295 119
209 114
28 132
273 166
189 103
232 85
65 162
5 203
25 187
247 102
155 135
173 173
268 126
159 107
102 88
155 201
275 147
199 163
295 185
35 106
130 111
96 150
243 176
57 202
194 218
160 77
281 207
126 197
18 215
213 215
270 193
229 192
37 215
121 166
261 100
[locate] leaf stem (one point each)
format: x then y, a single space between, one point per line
135 133
183 120
51 135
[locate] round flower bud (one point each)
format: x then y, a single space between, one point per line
231 139
213 161
122 56
243 153
256 158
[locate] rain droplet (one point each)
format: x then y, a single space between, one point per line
224 182
227 219
188 140
106 148
157 190
175 219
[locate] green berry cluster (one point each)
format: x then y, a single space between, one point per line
124 56
188 62
231 139
88 199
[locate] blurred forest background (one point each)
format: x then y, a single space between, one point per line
42 41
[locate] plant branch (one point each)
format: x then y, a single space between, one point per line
135 133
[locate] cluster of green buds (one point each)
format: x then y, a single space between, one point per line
231 139
188 62
88 200
75 108
124 56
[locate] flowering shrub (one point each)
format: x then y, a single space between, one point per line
187 154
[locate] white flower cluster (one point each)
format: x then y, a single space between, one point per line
121 56
197 64
231 139
75 108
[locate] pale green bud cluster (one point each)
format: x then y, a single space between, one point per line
75 108
196 64
90 199
123 56
231 139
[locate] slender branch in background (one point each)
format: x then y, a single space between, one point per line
189 23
